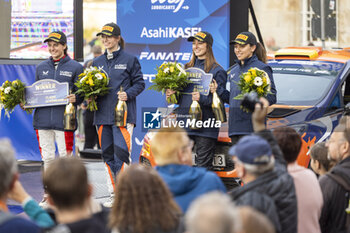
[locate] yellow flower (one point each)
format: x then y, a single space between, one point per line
247 78
91 82
171 69
15 82
253 72
260 90
2 98
103 75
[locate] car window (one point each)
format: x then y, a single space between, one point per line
300 89
303 82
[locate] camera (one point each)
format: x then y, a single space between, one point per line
249 101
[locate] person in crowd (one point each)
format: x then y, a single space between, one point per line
213 213
144 204
250 54
124 70
253 221
91 137
96 51
172 150
267 185
335 184
271 44
48 121
10 187
69 192
203 58
308 191
320 163
30 206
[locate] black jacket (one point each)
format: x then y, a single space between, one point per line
275 187
336 199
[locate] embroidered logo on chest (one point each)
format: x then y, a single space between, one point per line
66 73
120 67
46 72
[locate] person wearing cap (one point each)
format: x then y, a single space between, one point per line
260 164
250 54
203 58
48 121
124 70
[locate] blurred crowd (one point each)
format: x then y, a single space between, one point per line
277 195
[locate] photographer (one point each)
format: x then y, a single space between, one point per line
250 54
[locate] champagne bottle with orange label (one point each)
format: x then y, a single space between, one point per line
195 111
69 117
121 112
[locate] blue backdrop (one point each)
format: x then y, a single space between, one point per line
154 31
19 127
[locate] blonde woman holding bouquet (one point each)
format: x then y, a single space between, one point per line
124 70
250 54
203 58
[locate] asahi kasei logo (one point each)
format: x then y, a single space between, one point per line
174 5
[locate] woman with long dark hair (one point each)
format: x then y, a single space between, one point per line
205 138
250 54
144 204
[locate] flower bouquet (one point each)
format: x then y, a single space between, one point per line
12 94
170 75
254 80
92 83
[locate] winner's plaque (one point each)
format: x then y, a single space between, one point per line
46 92
199 80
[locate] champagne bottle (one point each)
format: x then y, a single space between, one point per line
218 108
195 112
121 112
69 117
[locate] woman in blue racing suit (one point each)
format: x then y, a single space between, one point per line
205 138
250 54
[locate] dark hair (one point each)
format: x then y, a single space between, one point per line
210 61
143 202
260 52
121 42
319 152
289 141
65 180
66 50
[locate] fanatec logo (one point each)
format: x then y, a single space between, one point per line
165 56
174 5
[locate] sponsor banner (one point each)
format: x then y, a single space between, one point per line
155 118
157 30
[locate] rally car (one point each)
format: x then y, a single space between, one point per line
313 88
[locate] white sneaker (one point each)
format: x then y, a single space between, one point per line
109 202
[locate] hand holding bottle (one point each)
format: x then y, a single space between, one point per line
213 86
71 98
195 96
122 96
